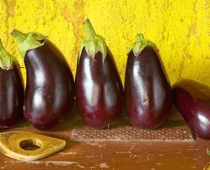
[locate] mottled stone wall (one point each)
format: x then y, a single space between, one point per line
180 29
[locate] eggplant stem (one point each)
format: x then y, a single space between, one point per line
28 41
140 44
1 45
139 37
6 60
93 43
18 36
90 32
2 50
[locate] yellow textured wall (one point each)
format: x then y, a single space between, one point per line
180 29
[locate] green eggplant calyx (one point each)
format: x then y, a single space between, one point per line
28 41
93 43
140 44
6 59
208 152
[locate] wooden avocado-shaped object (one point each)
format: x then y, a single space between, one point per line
17 145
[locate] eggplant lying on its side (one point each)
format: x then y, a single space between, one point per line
148 95
192 100
49 90
11 90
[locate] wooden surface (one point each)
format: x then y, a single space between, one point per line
151 155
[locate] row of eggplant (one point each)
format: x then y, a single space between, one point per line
50 87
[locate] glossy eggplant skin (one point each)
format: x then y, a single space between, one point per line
49 93
11 96
148 95
192 100
99 89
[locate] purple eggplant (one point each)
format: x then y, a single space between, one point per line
11 90
148 95
192 100
49 92
99 89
